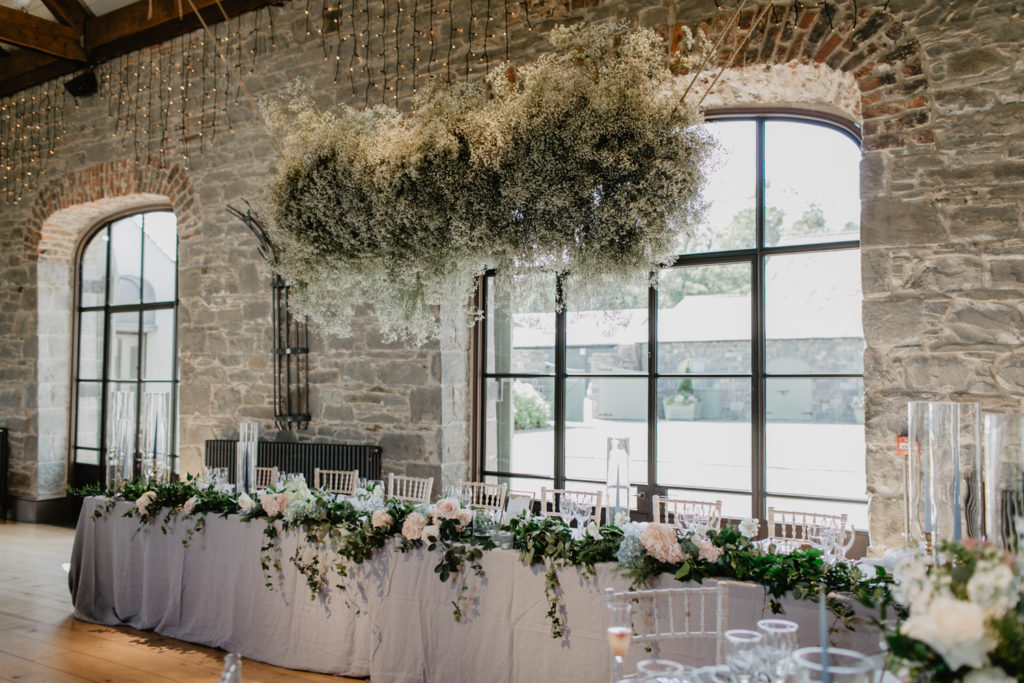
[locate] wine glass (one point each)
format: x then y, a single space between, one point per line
742 654
847 535
582 515
620 630
567 508
778 644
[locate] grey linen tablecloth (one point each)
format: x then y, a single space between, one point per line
394 620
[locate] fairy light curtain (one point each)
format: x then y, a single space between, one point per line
170 101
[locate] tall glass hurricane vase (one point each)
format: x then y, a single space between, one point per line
155 444
245 457
1004 480
120 437
944 492
617 488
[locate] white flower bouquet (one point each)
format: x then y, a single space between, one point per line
960 619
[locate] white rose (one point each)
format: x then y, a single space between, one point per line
430 530
245 503
749 527
594 531
953 628
992 674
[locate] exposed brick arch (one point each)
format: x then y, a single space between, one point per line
873 47
60 208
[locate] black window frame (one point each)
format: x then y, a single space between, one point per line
756 258
86 473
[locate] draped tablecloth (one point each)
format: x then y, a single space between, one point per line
393 622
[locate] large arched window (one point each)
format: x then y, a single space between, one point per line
126 314
739 378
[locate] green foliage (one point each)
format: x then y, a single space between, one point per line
336 535
531 410
683 395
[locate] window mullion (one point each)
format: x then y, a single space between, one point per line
104 378
652 387
758 469
560 380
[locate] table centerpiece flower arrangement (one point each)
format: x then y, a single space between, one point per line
960 618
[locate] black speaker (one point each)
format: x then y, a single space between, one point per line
83 85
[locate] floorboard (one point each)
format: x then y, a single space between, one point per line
41 641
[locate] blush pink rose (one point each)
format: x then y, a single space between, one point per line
710 553
446 508
412 529
465 518
274 504
143 501
189 505
660 542
381 519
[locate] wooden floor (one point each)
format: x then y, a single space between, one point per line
41 641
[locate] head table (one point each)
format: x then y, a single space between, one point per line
393 622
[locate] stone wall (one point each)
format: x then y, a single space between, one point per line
938 88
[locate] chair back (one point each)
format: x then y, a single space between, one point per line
409 489
692 612
518 503
549 502
791 529
483 496
266 476
336 481
669 510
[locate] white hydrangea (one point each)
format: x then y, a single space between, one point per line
913 587
994 588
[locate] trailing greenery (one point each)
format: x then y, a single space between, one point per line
339 533
587 161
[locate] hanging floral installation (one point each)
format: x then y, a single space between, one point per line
588 161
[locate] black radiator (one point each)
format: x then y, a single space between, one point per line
294 457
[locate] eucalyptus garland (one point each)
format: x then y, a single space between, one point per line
340 533
588 161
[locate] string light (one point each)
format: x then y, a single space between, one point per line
174 86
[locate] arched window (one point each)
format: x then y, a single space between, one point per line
126 315
739 378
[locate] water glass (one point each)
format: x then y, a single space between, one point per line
742 654
832 664
778 642
662 671
483 523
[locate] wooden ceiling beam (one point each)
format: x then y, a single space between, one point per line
130 28
23 69
119 32
69 12
49 37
